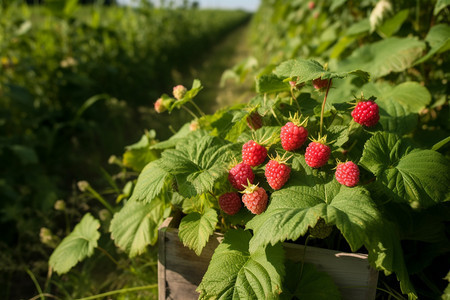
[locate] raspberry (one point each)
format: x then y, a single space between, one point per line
347 173
317 154
239 175
293 135
253 154
277 173
321 230
255 199
230 203
366 113
311 5
162 104
254 121
320 83
179 91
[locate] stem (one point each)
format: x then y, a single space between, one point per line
323 106
36 283
197 108
293 97
189 111
108 255
304 255
44 295
127 290
100 198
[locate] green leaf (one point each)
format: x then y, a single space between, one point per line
237 273
78 245
399 104
138 155
150 182
135 226
412 176
440 144
440 5
303 70
195 229
446 295
362 26
271 84
198 164
439 40
308 196
392 25
304 281
381 58
268 134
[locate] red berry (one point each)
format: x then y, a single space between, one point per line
320 83
347 174
255 199
239 174
230 203
254 121
277 174
253 154
317 154
293 136
311 5
366 113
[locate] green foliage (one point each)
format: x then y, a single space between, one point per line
235 272
78 245
195 229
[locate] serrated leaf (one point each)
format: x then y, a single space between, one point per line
308 197
237 273
304 281
78 245
198 164
338 133
150 182
271 84
381 58
412 176
268 134
195 229
303 70
135 226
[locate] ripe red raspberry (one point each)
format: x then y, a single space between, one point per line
239 174
293 136
277 173
320 83
230 203
347 173
311 5
366 113
179 91
254 121
317 154
255 199
253 154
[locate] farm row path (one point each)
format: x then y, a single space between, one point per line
233 49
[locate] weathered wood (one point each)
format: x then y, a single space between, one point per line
180 270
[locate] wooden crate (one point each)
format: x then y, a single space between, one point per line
180 270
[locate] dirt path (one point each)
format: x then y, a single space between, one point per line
231 51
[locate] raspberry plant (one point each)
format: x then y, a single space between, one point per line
191 176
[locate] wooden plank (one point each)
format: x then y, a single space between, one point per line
184 270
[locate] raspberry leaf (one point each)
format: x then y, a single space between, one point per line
418 177
237 273
198 164
135 226
151 182
195 229
305 70
381 58
78 245
271 83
